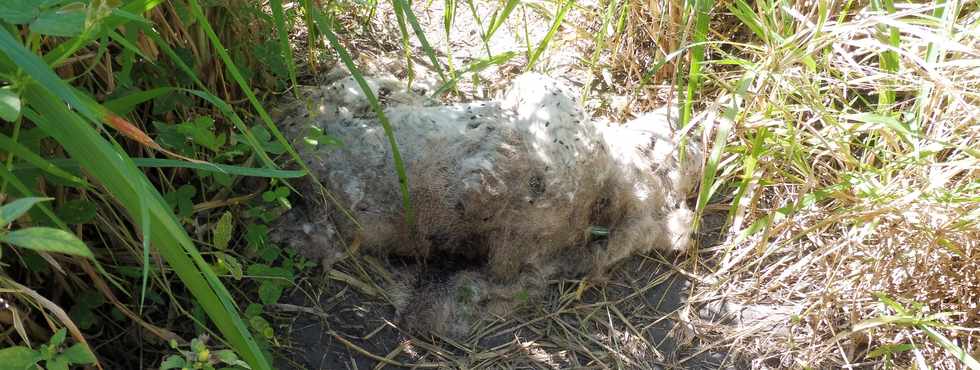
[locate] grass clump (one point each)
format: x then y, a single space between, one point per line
851 184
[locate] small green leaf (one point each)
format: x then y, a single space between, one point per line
61 22
197 345
269 292
19 357
258 270
9 104
48 240
262 326
58 337
231 264
56 363
173 362
229 357
889 349
222 231
201 132
13 210
78 354
182 200
253 309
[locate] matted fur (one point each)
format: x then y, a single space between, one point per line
515 184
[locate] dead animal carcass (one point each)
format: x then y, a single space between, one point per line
521 188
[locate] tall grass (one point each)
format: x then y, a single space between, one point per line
38 97
835 172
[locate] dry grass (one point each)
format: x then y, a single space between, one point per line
842 205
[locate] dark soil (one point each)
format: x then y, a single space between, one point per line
311 324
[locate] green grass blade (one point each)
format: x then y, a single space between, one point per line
14 148
888 59
474 67
222 106
198 14
130 187
14 209
173 163
35 67
324 27
551 33
118 18
24 191
935 53
406 47
479 26
279 18
499 18
448 18
420 34
957 352
122 106
702 18
123 180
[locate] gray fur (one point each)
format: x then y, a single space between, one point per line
517 183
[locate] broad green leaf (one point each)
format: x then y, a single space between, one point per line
13 210
201 131
222 231
173 362
60 22
18 358
56 363
182 199
9 104
19 11
48 240
229 357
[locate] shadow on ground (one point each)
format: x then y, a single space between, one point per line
638 319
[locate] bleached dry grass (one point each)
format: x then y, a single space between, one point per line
860 217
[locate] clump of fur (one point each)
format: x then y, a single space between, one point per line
516 184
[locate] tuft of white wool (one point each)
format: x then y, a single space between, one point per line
516 184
